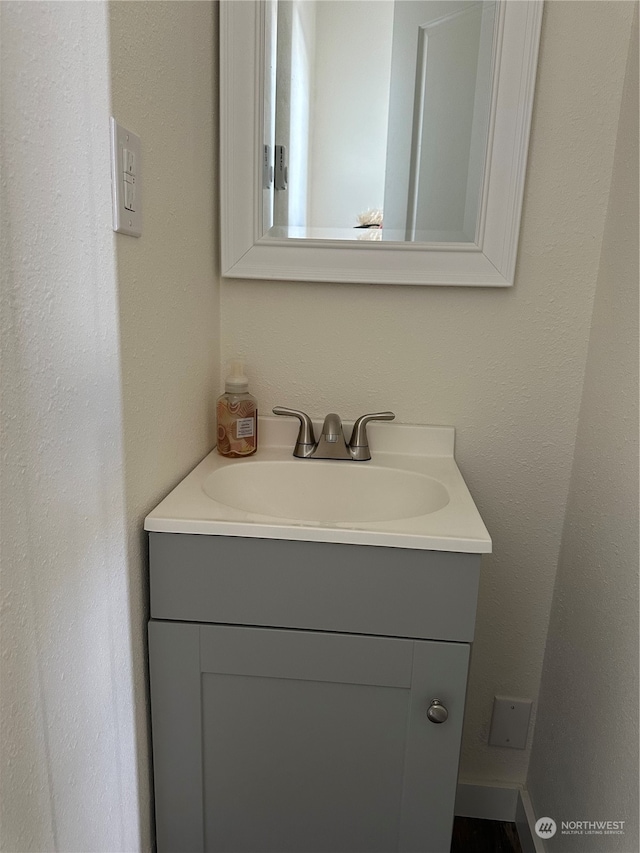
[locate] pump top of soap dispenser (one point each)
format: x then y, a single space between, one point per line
236 382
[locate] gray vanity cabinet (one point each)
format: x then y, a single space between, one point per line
274 738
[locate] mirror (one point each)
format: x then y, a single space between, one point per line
380 116
444 172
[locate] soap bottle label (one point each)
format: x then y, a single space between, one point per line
244 427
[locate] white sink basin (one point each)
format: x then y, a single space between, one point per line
318 491
410 495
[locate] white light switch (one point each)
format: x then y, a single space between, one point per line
128 161
125 180
129 194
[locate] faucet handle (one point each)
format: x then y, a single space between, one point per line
306 441
359 444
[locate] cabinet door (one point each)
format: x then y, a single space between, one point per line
275 741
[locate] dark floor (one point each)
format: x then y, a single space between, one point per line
471 835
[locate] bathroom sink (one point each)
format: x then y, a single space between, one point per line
410 495
316 491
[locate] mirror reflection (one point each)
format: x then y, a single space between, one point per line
377 119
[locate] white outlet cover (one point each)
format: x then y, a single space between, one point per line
510 722
125 221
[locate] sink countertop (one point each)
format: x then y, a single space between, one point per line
427 450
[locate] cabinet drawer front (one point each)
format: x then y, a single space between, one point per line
305 655
357 589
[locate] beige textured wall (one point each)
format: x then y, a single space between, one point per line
67 745
584 762
504 366
164 66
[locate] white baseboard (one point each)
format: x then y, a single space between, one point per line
525 823
489 802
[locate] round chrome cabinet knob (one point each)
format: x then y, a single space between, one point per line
437 713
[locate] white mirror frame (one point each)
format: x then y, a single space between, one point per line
489 262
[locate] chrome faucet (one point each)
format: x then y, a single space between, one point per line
332 443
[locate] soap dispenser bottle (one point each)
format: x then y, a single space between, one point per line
237 415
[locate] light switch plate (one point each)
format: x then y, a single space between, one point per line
510 722
123 140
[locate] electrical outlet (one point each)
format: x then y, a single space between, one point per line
510 722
